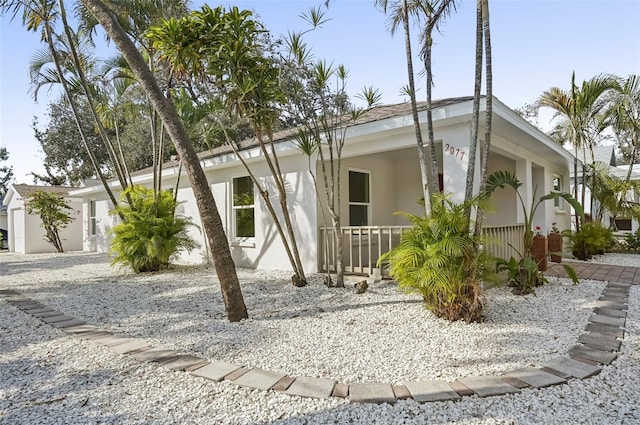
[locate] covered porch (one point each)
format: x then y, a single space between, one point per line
378 185
364 245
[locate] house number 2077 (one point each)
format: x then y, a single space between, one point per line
452 150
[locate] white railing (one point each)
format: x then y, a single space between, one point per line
499 240
363 245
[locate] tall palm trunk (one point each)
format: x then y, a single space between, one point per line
225 268
425 171
115 160
76 114
486 147
475 118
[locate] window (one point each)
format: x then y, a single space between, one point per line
243 208
557 187
359 200
92 218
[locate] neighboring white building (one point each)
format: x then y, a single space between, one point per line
605 157
380 175
26 234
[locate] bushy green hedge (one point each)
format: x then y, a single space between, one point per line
150 233
438 258
592 239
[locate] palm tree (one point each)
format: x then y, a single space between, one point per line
433 17
624 117
486 146
400 15
42 15
233 58
225 268
578 109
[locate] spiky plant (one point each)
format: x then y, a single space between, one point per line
151 233
439 259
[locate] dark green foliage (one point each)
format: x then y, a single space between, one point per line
439 259
632 241
6 172
53 210
592 239
522 275
150 233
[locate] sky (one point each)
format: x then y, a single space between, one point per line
536 45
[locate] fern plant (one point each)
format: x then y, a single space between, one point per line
592 239
439 259
150 233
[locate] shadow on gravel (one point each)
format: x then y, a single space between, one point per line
34 392
17 264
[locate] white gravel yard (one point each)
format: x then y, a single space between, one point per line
380 336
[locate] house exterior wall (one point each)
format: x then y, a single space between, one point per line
266 250
104 223
27 236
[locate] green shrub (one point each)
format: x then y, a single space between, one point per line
592 239
632 241
150 233
438 258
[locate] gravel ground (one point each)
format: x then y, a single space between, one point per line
384 336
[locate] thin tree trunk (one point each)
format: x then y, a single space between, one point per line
484 159
225 268
422 154
87 145
432 148
83 82
475 119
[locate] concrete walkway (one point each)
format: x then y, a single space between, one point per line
598 345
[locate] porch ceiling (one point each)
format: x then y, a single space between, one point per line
505 129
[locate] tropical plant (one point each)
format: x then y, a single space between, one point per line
42 15
526 278
592 239
212 223
151 233
578 109
612 194
438 259
54 212
632 241
523 274
229 49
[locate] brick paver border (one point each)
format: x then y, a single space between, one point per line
598 346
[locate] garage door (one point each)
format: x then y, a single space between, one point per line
16 232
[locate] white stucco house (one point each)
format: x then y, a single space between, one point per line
26 234
380 175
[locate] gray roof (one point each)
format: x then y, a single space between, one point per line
604 154
376 113
26 190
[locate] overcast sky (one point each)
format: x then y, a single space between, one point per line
536 45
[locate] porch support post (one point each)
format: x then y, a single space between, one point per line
523 173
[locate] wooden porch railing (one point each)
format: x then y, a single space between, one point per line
499 239
363 245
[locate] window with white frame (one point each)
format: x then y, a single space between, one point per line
359 198
243 208
92 218
557 187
